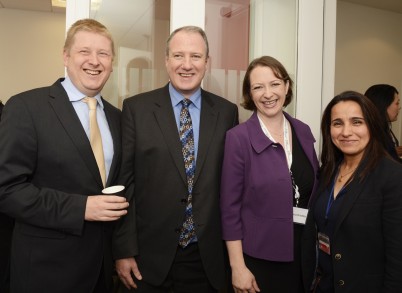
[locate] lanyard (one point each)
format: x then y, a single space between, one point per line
288 151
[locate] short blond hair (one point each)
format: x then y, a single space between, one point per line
87 25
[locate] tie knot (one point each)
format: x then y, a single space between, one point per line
91 102
186 102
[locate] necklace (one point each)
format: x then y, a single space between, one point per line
341 176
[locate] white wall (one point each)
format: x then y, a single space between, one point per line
30 51
368 50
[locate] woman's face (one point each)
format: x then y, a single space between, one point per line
393 109
267 91
349 131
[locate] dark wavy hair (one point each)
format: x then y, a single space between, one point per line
279 72
331 155
382 96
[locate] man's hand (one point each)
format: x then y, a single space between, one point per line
124 267
105 207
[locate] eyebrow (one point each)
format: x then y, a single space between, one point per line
351 118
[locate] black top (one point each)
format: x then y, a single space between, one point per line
302 171
391 143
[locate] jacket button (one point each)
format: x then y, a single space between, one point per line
338 256
341 282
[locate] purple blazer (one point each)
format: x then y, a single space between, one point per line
256 189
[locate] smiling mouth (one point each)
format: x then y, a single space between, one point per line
270 103
186 74
92 72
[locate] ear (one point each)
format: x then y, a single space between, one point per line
166 61
66 57
287 86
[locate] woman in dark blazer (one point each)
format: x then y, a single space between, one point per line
269 173
355 223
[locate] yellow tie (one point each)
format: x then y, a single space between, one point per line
95 137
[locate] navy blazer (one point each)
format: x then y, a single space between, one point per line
367 240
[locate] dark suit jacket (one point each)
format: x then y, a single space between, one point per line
6 228
153 170
366 246
47 169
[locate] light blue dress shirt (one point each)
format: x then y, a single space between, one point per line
194 109
81 108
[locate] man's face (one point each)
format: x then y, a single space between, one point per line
187 62
89 62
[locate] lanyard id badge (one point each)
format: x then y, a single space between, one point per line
299 215
323 243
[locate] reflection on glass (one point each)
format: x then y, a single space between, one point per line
238 31
241 30
140 29
227 28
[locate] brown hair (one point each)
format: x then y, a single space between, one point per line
279 71
87 25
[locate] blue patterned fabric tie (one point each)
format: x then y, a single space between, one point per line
187 231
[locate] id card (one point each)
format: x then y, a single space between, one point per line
323 243
299 215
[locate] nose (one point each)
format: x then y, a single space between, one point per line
186 63
346 130
267 91
93 58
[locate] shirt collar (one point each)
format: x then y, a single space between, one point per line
74 94
177 97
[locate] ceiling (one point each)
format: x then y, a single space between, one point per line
46 5
33 5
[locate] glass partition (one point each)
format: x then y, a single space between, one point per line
140 29
238 31
241 30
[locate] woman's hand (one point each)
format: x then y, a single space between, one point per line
243 281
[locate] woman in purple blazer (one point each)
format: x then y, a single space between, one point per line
269 174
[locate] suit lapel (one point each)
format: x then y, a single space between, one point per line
164 115
352 193
68 118
208 120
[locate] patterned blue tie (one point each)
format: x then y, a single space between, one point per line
187 232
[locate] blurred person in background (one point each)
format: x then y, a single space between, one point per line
386 98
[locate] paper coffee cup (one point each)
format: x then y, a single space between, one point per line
115 189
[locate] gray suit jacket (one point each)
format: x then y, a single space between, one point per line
153 170
47 169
